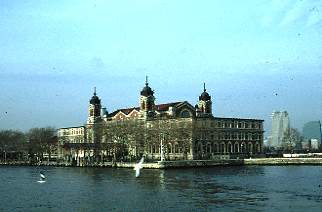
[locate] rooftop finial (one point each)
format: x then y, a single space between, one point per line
204 87
146 80
94 91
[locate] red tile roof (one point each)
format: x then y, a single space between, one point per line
160 107
165 107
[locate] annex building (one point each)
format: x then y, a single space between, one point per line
170 131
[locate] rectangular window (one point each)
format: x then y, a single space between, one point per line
239 125
216 136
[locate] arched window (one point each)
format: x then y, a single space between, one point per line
185 114
243 147
236 147
208 148
257 148
249 147
215 149
230 148
222 148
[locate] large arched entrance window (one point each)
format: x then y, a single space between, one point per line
243 147
229 148
236 147
222 148
185 114
249 147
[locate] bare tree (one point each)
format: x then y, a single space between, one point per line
41 140
175 134
292 139
12 142
130 139
124 138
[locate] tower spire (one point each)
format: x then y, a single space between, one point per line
146 80
204 87
94 91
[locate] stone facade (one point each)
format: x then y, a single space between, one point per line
227 137
172 131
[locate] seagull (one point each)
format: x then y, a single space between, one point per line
42 178
138 167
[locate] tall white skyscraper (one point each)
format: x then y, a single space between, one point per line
280 124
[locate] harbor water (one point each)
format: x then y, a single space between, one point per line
232 188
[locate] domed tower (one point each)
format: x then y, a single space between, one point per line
147 101
94 109
204 106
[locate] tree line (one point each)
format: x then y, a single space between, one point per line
132 139
28 146
129 140
125 140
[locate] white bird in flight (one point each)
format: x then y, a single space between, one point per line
138 167
42 178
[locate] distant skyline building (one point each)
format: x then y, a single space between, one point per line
280 124
312 133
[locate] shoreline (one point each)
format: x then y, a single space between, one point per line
187 163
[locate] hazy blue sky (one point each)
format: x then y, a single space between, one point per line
255 57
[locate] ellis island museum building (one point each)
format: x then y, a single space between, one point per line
171 131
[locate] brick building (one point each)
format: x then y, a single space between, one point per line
171 131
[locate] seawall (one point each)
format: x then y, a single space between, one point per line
228 162
193 163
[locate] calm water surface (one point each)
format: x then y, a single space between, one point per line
251 188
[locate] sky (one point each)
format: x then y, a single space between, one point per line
255 57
